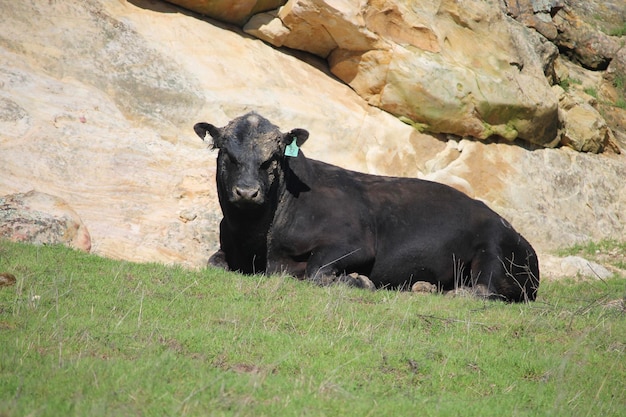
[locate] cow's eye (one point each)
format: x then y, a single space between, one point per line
228 158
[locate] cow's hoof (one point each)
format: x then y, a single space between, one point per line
460 292
218 260
477 291
424 287
360 281
481 291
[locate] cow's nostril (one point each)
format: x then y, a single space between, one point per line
247 193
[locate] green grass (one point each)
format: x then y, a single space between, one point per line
566 83
591 91
87 336
620 84
619 31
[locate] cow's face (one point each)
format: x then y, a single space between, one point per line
248 163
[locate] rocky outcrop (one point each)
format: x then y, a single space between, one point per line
450 69
581 31
97 107
582 126
582 43
536 14
480 71
43 219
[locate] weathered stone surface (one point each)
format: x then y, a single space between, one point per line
583 30
583 43
582 126
535 48
588 122
572 266
578 28
232 11
607 16
617 68
454 69
536 14
43 219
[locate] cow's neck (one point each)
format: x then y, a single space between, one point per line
296 176
254 221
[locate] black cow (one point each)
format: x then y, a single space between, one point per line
284 213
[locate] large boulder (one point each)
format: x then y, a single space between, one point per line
42 218
451 68
589 119
572 266
232 11
582 127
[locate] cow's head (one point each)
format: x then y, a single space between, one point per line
250 151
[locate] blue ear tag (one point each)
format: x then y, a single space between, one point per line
292 149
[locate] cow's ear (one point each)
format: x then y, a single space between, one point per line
300 135
202 129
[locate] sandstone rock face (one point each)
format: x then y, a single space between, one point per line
536 14
582 43
43 219
103 117
606 15
455 69
97 107
406 58
573 266
582 126
237 11
589 119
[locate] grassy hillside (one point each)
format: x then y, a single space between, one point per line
86 336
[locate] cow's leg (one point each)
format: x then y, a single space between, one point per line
218 259
502 277
356 280
486 277
339 265
351 280
520 283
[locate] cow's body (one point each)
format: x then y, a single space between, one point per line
317 221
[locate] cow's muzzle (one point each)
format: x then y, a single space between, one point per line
244 196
